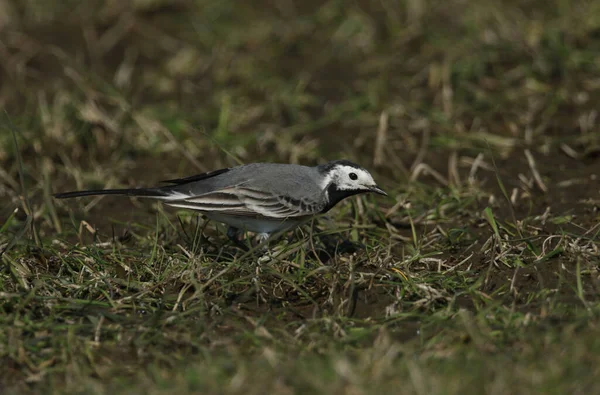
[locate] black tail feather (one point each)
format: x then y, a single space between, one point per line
139 192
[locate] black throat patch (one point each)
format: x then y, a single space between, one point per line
336 195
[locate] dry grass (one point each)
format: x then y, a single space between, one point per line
480 275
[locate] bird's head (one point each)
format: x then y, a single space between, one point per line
343 178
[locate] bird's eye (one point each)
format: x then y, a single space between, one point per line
353 176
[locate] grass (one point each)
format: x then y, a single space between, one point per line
479 275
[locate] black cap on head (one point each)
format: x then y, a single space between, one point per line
326 167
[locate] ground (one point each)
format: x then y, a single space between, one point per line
479 274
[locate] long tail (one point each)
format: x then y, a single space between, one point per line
140 192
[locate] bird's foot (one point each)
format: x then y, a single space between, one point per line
233 235
262 245
263 238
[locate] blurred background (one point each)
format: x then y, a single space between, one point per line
125 93
478 117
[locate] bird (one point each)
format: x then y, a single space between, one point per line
264 198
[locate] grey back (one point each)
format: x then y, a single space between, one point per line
299 182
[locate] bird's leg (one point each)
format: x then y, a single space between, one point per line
263 237
263 247
263 242
233 235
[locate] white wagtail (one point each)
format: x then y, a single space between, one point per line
264 198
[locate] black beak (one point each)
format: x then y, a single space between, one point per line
377 190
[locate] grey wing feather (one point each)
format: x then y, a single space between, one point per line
197 177
255 190
243 201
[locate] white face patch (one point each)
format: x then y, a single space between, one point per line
348 178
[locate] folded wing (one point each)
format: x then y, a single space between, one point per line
248 202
